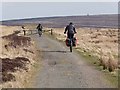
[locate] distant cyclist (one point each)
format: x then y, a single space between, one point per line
70 29
39 28
23 27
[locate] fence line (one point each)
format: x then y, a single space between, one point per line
36 31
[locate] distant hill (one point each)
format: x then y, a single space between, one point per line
80 21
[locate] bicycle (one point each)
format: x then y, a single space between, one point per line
71 42
40 33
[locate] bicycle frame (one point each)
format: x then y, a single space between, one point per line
71 43
40 33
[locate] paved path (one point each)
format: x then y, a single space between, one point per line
62 69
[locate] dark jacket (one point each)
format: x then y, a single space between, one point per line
70 29
39 27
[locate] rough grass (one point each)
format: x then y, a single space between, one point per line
17 59
94 61
16 40
12 65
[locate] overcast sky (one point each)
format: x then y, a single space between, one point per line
19 10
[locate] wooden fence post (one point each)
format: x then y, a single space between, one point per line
51 31
24 32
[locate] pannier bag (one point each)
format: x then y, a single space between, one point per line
68 42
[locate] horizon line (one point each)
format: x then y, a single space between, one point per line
56 16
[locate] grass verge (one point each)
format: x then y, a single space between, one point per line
36 66
94 61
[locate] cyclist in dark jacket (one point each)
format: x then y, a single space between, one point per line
70 29
39 27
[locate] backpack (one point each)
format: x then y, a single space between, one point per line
39 27
71 29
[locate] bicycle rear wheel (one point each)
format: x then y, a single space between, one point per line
40 33
70 45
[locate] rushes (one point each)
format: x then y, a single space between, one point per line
108 62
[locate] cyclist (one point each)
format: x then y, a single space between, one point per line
23 27
70 29
39 27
